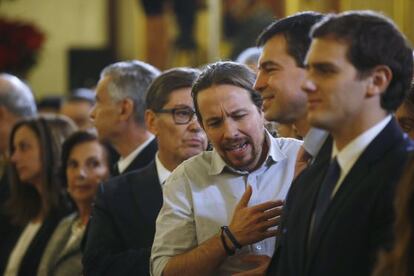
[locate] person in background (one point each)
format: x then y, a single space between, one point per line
405 113
118 113
78 106
129 204
85 165
16 102
37 200
399 260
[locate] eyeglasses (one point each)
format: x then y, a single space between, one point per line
181 115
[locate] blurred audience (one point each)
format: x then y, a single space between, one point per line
129 204
118 113
37 201
405 113
250 57
78 106
85 165
49 104
399 260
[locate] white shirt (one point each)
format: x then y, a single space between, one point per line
163 172
20 248
123 163
351 152
200 197
313 141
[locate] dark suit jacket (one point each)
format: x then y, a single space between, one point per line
122 227
142 160
358 220
34 252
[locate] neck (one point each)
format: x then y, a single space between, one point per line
168 161
85 210
350 130
302 126
128 141
263 154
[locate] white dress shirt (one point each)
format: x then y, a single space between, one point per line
200 197
163 172
123 163
351 152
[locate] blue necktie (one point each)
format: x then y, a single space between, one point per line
325 193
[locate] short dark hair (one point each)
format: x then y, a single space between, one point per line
161 88
77 138
25 202
373 40
296 30
226 72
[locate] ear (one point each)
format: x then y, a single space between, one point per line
151 121
127 109
379 80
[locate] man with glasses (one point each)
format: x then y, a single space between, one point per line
224 204
122 226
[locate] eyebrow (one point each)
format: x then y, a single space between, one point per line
268 63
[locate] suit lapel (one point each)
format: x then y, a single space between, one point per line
143 158
390 136
147 193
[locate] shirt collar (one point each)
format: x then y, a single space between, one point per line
351 152
274 155
314 140
123 163
163 172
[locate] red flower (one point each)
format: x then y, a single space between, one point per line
20 43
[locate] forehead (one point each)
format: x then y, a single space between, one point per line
225 96
274 48
327 50
25 132
181 96
102 86
86 149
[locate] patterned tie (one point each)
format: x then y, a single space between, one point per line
302 161
325 193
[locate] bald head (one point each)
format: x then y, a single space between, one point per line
16 102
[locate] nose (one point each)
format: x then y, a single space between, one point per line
308 85
194 125
81 172
15 156
92 112
230 129
261 82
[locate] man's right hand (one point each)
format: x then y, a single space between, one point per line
251 224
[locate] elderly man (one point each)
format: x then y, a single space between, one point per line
122 227
339 212
16 102
78 106
238 187
118 114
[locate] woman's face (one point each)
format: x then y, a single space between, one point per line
86 167
25 156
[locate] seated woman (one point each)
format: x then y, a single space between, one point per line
399 261
37 202
85 164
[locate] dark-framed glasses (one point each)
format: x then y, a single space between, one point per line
181 115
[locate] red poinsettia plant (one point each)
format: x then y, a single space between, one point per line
20 44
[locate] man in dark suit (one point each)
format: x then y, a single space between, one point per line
122 226
118 113
339 212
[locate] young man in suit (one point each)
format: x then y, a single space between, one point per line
118 113
122 226
339 212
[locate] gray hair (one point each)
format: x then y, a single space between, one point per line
16 96
130 79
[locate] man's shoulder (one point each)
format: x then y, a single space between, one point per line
287 144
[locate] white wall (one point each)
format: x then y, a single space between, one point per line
74 23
